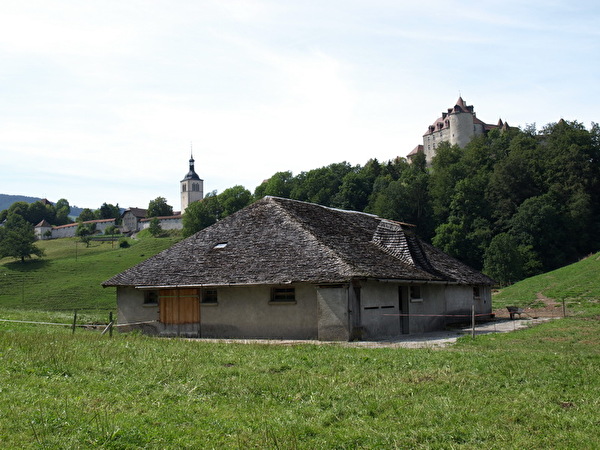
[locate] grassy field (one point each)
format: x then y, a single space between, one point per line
69 276
534 388
577 284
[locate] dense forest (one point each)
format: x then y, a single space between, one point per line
513 203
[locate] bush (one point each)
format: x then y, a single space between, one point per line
123 243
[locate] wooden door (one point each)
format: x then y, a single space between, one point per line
179 306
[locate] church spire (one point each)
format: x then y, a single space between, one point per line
192 187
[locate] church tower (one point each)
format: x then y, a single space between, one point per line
192 187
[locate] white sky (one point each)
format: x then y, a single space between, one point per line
100 100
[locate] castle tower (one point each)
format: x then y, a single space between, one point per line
461 123
457 126
192 187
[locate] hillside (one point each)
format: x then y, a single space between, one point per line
69 276
577 284
7 200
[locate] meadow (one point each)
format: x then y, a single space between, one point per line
534 388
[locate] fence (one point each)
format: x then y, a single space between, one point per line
105 327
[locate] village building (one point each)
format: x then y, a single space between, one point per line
174 222
69 230
287 269
191 189
131 218
43 230
457 126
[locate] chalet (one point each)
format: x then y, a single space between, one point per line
282 268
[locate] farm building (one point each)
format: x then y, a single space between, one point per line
287 269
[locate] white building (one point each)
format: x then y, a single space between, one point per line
458 125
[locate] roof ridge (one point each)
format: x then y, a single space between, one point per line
306 230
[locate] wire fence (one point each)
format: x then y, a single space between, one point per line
105 327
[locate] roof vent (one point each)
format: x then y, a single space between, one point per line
220 245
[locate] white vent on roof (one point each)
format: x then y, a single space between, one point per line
220 245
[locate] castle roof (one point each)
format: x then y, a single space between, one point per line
460 107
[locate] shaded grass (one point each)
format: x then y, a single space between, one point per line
533 388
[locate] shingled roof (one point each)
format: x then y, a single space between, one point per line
280 241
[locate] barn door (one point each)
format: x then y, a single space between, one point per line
179 306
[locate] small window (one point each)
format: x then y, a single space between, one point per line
209 297
150 298
415 293
220 245
476 292
184 188
283 295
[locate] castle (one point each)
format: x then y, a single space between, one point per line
458 125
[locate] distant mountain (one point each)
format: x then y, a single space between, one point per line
7 200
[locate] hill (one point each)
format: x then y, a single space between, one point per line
7 200
577 284
69 276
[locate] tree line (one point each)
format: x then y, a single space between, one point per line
512 203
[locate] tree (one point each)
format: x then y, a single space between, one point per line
62 211
155 228
86 215
199 215
320 185
508 261
111 229
37 211
108 211
279 185
159 208
17 239
85 231
233 199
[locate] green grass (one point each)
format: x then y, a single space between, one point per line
577 284
536 388
533 388
70 274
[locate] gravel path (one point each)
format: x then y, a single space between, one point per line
438 339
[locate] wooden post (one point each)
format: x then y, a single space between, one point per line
564 308
74 321
473 321
110 323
